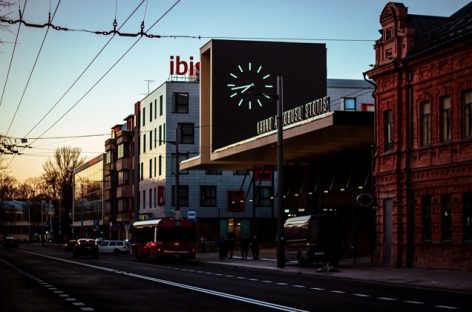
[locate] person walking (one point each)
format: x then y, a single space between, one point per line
230 246
222 247
255 248
245 247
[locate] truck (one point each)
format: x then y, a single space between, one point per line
313 239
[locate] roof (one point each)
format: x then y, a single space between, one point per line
348 83
435 31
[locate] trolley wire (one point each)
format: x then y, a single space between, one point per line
33 68
13 52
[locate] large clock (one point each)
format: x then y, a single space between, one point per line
250 86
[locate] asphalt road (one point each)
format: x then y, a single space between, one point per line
49 279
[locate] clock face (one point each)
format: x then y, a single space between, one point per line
250 86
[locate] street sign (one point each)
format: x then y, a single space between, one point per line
191 214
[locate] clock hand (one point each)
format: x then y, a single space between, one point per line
245 87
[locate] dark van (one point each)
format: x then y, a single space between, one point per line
313 239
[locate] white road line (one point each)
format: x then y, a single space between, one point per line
87 309
361 295
413 302
387 298
337 291
180 285
299 286
446 307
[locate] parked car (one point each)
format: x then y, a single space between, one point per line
69 245
113 246
85 247
10 242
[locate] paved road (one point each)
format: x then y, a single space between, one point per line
56 282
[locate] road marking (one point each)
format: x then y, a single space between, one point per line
413 302
446 307
337 291
361 295
180 285
299 286
386 298
316 288
87 309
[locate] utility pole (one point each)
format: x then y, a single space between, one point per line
280 176
177 176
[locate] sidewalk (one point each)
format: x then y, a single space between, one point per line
362 270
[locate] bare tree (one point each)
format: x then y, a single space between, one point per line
58 174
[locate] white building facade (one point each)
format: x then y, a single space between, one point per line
221 201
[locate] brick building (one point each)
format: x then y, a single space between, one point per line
423 157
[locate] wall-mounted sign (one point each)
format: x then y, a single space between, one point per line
296 114
181 67
243 89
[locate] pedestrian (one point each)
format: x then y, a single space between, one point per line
202 243
244 247
255 248
230 246
222 248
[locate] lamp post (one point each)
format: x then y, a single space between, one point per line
280 176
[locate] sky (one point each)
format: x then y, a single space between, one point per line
62 91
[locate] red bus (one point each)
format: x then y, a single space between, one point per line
164 238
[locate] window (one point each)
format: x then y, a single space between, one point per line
150 112
144 116
180 101
426 212
213 172
467 212
123 177
144 199
155 108
207 196
467 114
108 158
182 157
155 137
160 135
150 168
121 150
150 140
186 133
425 130
388 33
144 143
445 115
155 167
241 172
154 197
236 201
388 129
141 171
446 226
161 105
263 196
183 196
160 165
349 104
150 198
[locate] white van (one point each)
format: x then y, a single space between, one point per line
113 246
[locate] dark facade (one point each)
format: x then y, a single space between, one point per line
119 179
423 156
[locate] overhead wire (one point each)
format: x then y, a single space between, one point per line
13 52
83 72
72 85
108 71
34 65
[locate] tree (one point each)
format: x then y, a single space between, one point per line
58 174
